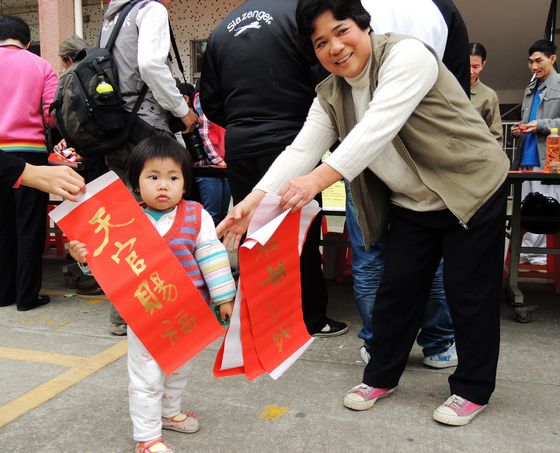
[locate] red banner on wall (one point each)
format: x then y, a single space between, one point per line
139 273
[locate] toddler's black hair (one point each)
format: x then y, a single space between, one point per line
159 146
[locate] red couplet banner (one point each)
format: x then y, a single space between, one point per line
267 332
271 285
139 273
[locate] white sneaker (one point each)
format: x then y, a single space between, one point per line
365 354
445 359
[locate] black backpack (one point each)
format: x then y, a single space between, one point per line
88 107
540 214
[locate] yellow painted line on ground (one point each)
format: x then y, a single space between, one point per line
29 355
44 392
32 320
95 301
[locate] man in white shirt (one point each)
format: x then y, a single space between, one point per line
143 61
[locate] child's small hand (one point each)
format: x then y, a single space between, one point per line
78 251
226 309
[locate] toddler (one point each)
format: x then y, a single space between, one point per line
159 170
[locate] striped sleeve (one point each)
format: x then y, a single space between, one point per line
213 262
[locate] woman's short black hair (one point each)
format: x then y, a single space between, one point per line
14 27
308 10
543 45
159 146
477 50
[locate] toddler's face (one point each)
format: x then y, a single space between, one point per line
161 183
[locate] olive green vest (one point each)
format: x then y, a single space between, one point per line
445 142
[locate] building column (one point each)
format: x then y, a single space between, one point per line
56 23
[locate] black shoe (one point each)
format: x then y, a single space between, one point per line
41 300
91 291
331 329
88 286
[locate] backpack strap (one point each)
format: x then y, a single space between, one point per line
123 13
127 7
176 52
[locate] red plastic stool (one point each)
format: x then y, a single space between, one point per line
54 237
550 271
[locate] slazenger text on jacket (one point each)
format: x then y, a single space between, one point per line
259 15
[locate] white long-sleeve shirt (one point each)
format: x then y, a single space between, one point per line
154 43
421 19
407 75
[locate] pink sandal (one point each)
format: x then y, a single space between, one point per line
153 446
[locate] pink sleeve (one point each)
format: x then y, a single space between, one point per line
49 91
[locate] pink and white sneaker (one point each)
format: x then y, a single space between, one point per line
457 411
363 397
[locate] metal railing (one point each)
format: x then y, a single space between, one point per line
509 142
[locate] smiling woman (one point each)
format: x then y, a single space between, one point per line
342 46
394 105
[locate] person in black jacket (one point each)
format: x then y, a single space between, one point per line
258 85
456 56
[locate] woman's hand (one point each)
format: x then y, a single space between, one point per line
235 224
78 251
299 191
515 130
60 180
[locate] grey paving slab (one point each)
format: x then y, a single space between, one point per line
28 376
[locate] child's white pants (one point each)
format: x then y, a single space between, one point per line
151 394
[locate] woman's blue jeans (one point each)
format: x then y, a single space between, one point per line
214 196
436 333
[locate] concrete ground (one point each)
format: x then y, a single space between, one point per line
64 389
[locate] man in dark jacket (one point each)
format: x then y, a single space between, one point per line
456 56
257 84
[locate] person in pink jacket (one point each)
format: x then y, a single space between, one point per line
27 89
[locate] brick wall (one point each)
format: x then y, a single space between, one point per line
55 19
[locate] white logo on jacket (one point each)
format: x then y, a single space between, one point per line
260 16
240 30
